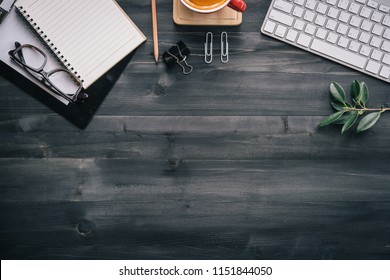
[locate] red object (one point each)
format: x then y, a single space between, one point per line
237 5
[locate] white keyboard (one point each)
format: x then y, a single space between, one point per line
354 33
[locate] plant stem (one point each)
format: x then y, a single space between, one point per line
367 109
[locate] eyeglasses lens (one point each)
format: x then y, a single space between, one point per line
64 81
33 58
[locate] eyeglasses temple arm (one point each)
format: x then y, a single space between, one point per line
20 53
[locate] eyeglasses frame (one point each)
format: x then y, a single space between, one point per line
17 56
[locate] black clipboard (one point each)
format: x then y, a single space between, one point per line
79 114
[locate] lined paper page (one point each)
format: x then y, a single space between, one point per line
89 37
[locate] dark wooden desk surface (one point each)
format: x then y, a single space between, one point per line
226 163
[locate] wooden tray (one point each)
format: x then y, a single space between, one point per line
225 17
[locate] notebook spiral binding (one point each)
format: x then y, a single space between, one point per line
23 13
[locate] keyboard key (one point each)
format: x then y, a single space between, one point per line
377 55
283 6
299 2
332 37
281 17
376 42
333 12
385 72
386 34
304 40
343 42
280 31
344 16
377 30
353 33
364 37
361 1
321 33
365 50
331 2
299 24
377 16
386 20
298 11
291 35
269 26
386 59
354 46
310 29
355 21
373 67
320 20
342 28
331 24
384 8
354 8
386 46
338 53
322 8
310 4
366 25
366 12
372 4
309 16
343 4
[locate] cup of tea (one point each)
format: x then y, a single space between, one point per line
211 6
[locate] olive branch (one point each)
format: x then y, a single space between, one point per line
347 114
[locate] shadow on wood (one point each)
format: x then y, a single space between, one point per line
79 114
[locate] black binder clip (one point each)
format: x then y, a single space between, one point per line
177 54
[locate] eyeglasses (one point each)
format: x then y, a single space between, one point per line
60 80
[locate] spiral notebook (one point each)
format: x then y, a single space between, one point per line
88 37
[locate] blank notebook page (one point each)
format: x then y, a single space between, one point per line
89 37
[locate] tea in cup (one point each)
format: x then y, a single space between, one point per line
210 6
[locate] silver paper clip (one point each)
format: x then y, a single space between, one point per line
208 48
224 48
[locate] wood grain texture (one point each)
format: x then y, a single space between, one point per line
225 163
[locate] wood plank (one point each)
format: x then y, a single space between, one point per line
216 209
226 180
197 137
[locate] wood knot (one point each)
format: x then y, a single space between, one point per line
174 163
85 228
158 90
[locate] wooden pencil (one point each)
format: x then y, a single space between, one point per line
155 32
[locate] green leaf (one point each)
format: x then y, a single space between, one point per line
340 106
337 92
350 120
337 105
355 89
363 94
368 121
344 118
330 119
